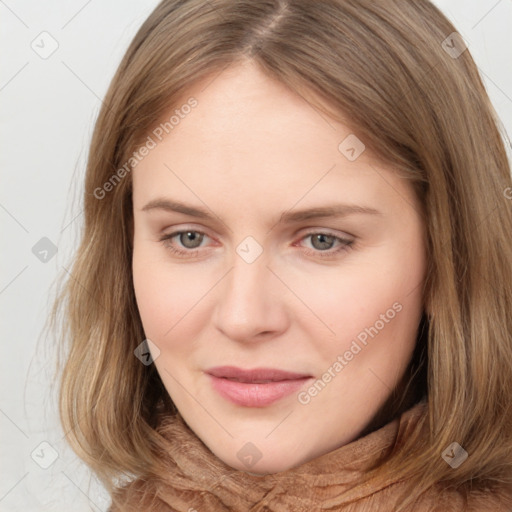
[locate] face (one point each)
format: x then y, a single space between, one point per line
262 243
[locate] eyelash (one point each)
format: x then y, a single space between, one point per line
346 244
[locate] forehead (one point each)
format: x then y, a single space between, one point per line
250 139
243 108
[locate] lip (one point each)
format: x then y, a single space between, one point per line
248 390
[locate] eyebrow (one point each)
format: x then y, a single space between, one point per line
287 217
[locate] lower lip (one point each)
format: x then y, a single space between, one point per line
256 395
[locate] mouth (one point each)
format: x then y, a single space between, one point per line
258 387
256 375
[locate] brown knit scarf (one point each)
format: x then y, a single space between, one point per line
197 481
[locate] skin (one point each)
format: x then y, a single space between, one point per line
249 151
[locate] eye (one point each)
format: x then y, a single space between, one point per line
323 242
190 240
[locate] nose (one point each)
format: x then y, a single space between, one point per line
250 302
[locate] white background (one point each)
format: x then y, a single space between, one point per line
47 110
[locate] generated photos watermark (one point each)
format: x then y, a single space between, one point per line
157 135
357 345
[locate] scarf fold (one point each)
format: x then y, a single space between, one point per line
198 481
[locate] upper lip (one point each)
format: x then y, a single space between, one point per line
256 374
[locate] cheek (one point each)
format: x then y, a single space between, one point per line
164 294
375 298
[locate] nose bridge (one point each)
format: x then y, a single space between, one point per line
246 306
246 284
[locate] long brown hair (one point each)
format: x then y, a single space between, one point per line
398 74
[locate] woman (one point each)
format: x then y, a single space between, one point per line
293 287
